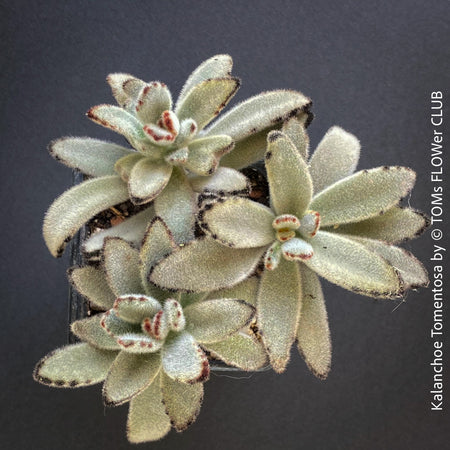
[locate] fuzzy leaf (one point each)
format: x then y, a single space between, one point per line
335 157
74 366
92 157
157 244
205 153
219 66
396 225
348 264
91 283
176 206
153 100
205 100
125 165
313 335
239 222
289 181
129 375
90 330
116 81
223 181
182 401
131 230
121 262
118 120
247 290
147 418
261 112
147 180
295 130
363 195
129 336
134 308
183 360
279 304
240 350
215 320
204 266
411 270
76 206
297 250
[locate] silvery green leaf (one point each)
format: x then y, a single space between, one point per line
410 269
205 153
208 266
295 130
238 222
154 98
147 180
92 157
121 263
129 375
219 66
247 150
129 336
261 112
182 401
183 360
91 283
273 256
396 225
313 334
205 100
240 350
278 306
90 330
363 195
118 120
223 181
176 205
351 265
246 290
116 81
135 308
297 250
158 243
76 206
216 319
335 157
125 165
74 366
131 230
147 418
287 173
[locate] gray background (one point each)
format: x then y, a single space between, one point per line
368 66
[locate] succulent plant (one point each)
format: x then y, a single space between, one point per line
201 271
173 156
149 346
323 219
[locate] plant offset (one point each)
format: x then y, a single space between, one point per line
201 270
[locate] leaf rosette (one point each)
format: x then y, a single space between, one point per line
175 153
323 219
150 346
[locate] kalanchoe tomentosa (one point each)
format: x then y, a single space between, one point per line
173 155
322 220
145 347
